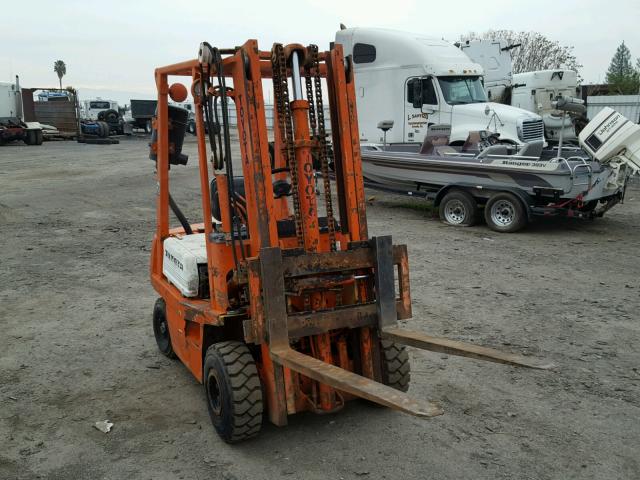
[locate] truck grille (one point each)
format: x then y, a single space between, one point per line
531 130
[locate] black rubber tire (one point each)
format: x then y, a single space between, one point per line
590 206
39 137
191 127
514 214
148 127
233 390
161 329
396 369
29 137
110 116
100 141
104 129
458 208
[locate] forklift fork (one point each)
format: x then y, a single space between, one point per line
381 315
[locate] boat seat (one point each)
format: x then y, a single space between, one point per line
494 150
472 142
532 149
437 136
443 150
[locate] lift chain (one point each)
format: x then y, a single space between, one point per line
285 124
322 140
312 111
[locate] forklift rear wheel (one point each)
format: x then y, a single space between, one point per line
234 392
458 208
161 329
504 212
396 370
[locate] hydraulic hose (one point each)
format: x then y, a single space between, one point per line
178 213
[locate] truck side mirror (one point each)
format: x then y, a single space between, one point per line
417 93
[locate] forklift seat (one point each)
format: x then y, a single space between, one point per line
238 186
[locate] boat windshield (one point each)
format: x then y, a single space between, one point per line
461 90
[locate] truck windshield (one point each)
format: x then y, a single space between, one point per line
460 90
104 105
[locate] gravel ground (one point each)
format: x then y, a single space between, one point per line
77 346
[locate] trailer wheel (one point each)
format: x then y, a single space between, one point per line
148 128
161 329
39 137
458 208
234 392
504 212
396 370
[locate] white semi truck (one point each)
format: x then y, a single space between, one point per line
534 91
12 124
417 81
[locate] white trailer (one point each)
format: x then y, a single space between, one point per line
418 81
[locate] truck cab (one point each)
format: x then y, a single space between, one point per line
418 81
93 107
12 124
537 91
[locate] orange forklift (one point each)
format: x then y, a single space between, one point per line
274 303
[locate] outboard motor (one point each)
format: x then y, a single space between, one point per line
178 119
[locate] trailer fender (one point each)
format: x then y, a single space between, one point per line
472 189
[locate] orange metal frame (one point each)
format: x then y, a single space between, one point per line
193 323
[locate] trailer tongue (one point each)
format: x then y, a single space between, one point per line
274 305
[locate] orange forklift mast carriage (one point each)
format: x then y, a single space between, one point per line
293 310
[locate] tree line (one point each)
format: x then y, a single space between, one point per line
535 51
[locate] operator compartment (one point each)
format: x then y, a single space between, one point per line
185 264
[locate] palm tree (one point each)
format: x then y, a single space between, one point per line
61 69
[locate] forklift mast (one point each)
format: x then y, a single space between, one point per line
305 298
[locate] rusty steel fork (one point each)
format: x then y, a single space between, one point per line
460 349
386 313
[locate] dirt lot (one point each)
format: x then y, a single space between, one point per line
77 346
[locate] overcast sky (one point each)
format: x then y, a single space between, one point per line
113 47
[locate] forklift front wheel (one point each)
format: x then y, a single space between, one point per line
234 392
161 329
396 370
